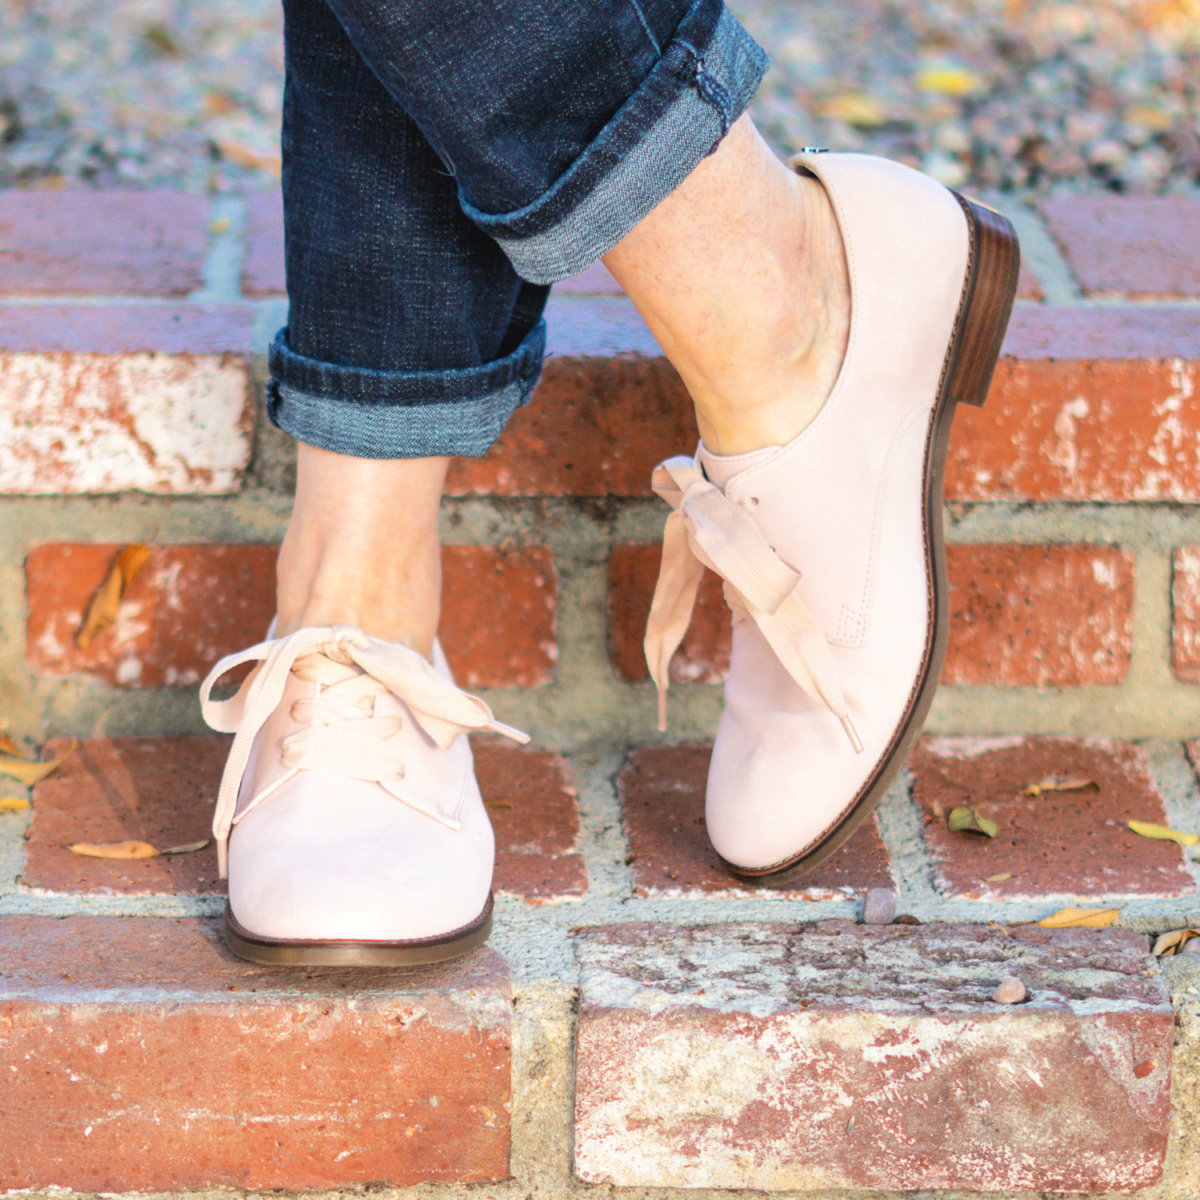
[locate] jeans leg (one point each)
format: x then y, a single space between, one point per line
563 122
409 332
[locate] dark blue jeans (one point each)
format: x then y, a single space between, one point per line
444 162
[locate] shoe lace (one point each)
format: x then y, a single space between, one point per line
706 529
343 732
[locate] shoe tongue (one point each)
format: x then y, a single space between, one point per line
721 468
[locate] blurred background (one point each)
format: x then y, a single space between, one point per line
1039 96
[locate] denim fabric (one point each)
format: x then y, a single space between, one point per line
443 161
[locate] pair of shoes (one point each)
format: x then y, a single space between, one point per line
831 547
359 836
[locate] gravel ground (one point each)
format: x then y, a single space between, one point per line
1031 95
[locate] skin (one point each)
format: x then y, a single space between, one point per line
740 275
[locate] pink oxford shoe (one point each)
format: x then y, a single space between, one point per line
349 821
831 547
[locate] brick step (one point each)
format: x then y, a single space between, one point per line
676 1028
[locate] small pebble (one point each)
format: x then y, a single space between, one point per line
1010 991
879 907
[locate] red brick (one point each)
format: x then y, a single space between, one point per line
102 243
597 425
162 791
1146 246
263 272
1185 615
530 796
662 802
137 1055
1039 616
500 615
703 655
1028 287
833 1056
1058 843
176 329
1106 332
190 606
1083 430
193 604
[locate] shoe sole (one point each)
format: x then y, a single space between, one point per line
993 264
417 952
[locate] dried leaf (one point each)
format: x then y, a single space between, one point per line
968 820
186 848
102 611
8 746
1074 918
855 108
1173 942
1162 833
114 849
11 804
1060 783
948 80
999 877
30 772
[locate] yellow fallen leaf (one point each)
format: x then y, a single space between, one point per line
1147 116
1060 783
947 80
1073 918
969 820
8 746
1173 942
1162 833
999 877
855 108
11 804
114 849
102 611
186 848
30 772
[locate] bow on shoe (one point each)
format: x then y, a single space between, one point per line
706 529
351 670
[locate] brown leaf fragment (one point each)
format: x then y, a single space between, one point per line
969 820
12 804
1060 783
999 877
186 848
1075 918
114 849
8 746
30 772
102 611
905 919
1172 942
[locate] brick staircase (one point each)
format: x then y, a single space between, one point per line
640 1020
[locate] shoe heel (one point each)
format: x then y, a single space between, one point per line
987 304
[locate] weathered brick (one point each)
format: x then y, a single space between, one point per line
193 604
1185 616
531 799
162 790
138 1055
263 271
500 615
102 243
1072 842
1041 616
189 606
1143 246
1083 429
832 1056
1028 287
662 804
95 329
703 655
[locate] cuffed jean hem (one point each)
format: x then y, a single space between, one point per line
703 82
398 414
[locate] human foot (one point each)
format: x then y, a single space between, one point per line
831 545
742 277
349 819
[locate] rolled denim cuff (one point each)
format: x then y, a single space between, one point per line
400 414
704 81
